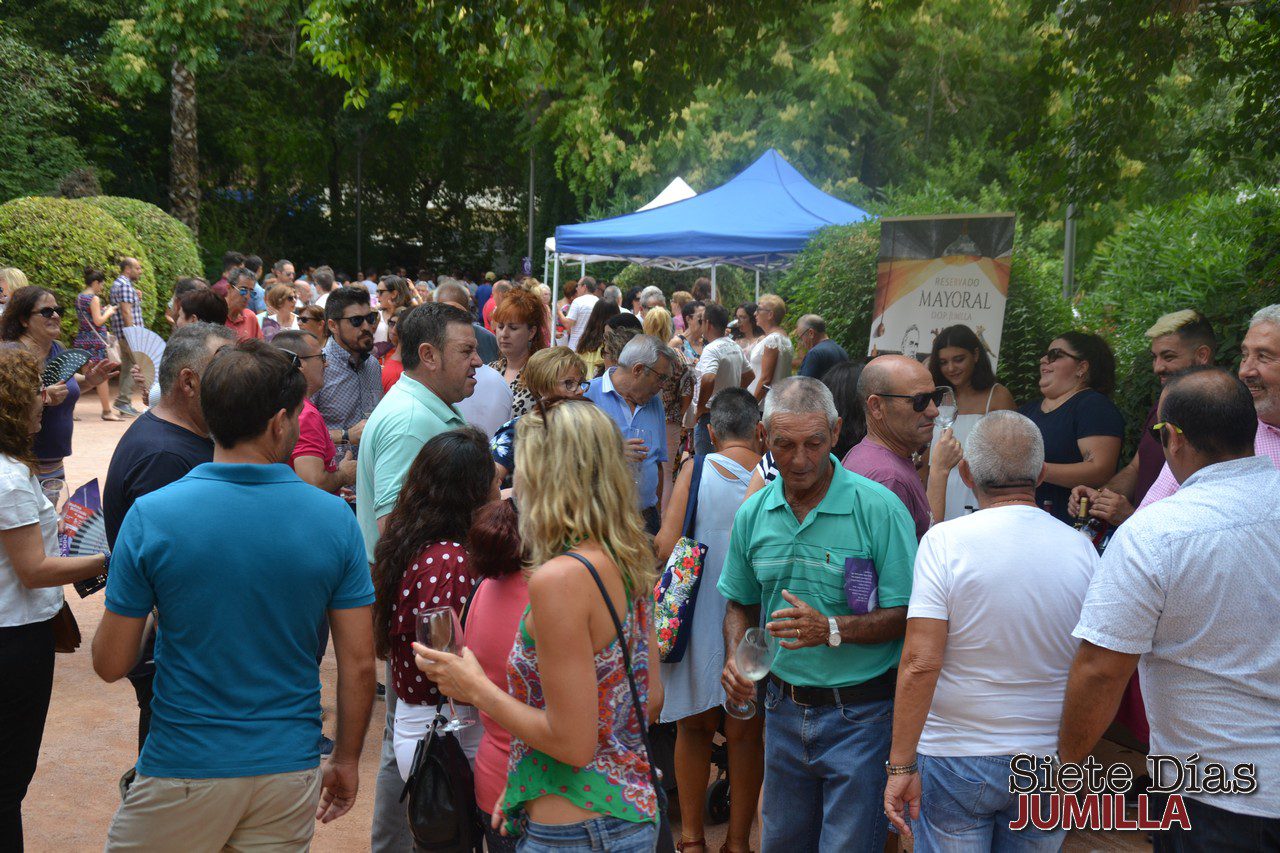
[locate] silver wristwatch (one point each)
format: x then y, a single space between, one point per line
833 632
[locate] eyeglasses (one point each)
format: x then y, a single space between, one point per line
244 291
291 299
50 312
382 290
665 377
360 319
920 401
567 384
1055 353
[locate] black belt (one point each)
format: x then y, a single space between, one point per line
873 690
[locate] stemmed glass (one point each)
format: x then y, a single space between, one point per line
947 408
636 467
754 658
439 629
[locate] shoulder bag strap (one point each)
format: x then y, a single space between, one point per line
691 508
631 679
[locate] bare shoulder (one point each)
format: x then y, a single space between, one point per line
1002 399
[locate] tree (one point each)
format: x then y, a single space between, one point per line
181 38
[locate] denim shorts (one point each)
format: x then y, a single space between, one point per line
599 833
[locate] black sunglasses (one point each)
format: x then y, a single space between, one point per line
921 401
49 313
360 319
1053 354
296 360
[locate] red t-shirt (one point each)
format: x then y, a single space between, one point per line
313 438
486 314
439 576
391 370
246 327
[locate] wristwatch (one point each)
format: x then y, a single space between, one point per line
833 632
346 436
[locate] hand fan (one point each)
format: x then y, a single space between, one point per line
90 539
63 366
148 347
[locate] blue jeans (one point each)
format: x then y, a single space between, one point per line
965 807
599 833
824 775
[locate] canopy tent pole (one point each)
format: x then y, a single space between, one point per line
757 285
555 296
583 273
713 283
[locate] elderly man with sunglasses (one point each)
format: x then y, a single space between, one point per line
901 403
352 378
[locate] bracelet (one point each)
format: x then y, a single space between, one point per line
901 769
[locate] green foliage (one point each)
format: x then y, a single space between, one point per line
169 245
734 285
39 95
835 277
52 240
1216 252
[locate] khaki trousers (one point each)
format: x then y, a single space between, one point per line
275 812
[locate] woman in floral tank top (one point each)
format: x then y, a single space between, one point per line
578 772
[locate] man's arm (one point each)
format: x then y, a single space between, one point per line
353 644
879 626
1125 480
918 672
1094 687
706 386
310 469
116 645
737 619
126 310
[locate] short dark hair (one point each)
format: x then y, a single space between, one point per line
289 339
716 316
91 275
842 381
205 305
253 263
343 298
1102 363
426 324
188 347
1214 410
734 413
623 320
589 283
962 337
629 298
238 273
231 258
188 284
690 308
279 265
244 386
322 277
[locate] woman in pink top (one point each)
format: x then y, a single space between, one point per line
492 622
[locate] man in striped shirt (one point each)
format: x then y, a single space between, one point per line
128 302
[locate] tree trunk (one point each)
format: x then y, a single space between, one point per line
184 149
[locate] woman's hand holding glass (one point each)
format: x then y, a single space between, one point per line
458 676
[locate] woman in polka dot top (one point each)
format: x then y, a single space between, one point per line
421 563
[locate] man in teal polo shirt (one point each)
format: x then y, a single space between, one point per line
438 348
826 555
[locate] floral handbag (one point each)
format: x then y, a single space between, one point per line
677 590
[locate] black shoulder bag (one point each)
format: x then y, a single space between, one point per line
666 841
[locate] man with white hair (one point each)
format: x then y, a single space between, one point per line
628 393
1260 373
1007 576
652 297
824 557
613 294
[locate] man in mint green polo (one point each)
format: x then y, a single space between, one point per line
438 348
822 557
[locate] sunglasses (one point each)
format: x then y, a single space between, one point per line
1055 353
244 291
49 313
360 319
1159 428
382 290
921 401
296 360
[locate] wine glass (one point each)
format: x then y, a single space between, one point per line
636 467
439 629
946 408
754 658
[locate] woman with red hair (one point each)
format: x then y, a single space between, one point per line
520 324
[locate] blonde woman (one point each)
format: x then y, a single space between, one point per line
11 279
280 316
770 357
549 374
657 322
578 770
678 300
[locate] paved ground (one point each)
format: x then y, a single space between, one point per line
91 734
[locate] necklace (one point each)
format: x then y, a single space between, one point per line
1012 502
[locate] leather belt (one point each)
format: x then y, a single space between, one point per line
873 690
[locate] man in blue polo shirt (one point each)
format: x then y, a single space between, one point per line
823 558
233 756
628 393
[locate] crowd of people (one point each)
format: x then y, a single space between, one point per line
928 610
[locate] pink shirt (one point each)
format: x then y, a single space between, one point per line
313 438
492 623
879 463
1265 443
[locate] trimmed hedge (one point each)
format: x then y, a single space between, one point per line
1219 253
169 244
52 240
835 277
734 285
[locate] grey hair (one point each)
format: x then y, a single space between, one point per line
189 347
646 350
800 395
814 322
1004 448
613 294
651 296
734 413
1270 314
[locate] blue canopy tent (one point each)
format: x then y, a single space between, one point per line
758 220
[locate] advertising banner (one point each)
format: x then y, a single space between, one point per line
940 271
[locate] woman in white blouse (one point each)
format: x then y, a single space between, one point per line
770 357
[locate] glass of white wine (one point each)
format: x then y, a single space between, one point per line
754 658
439 629
947 408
